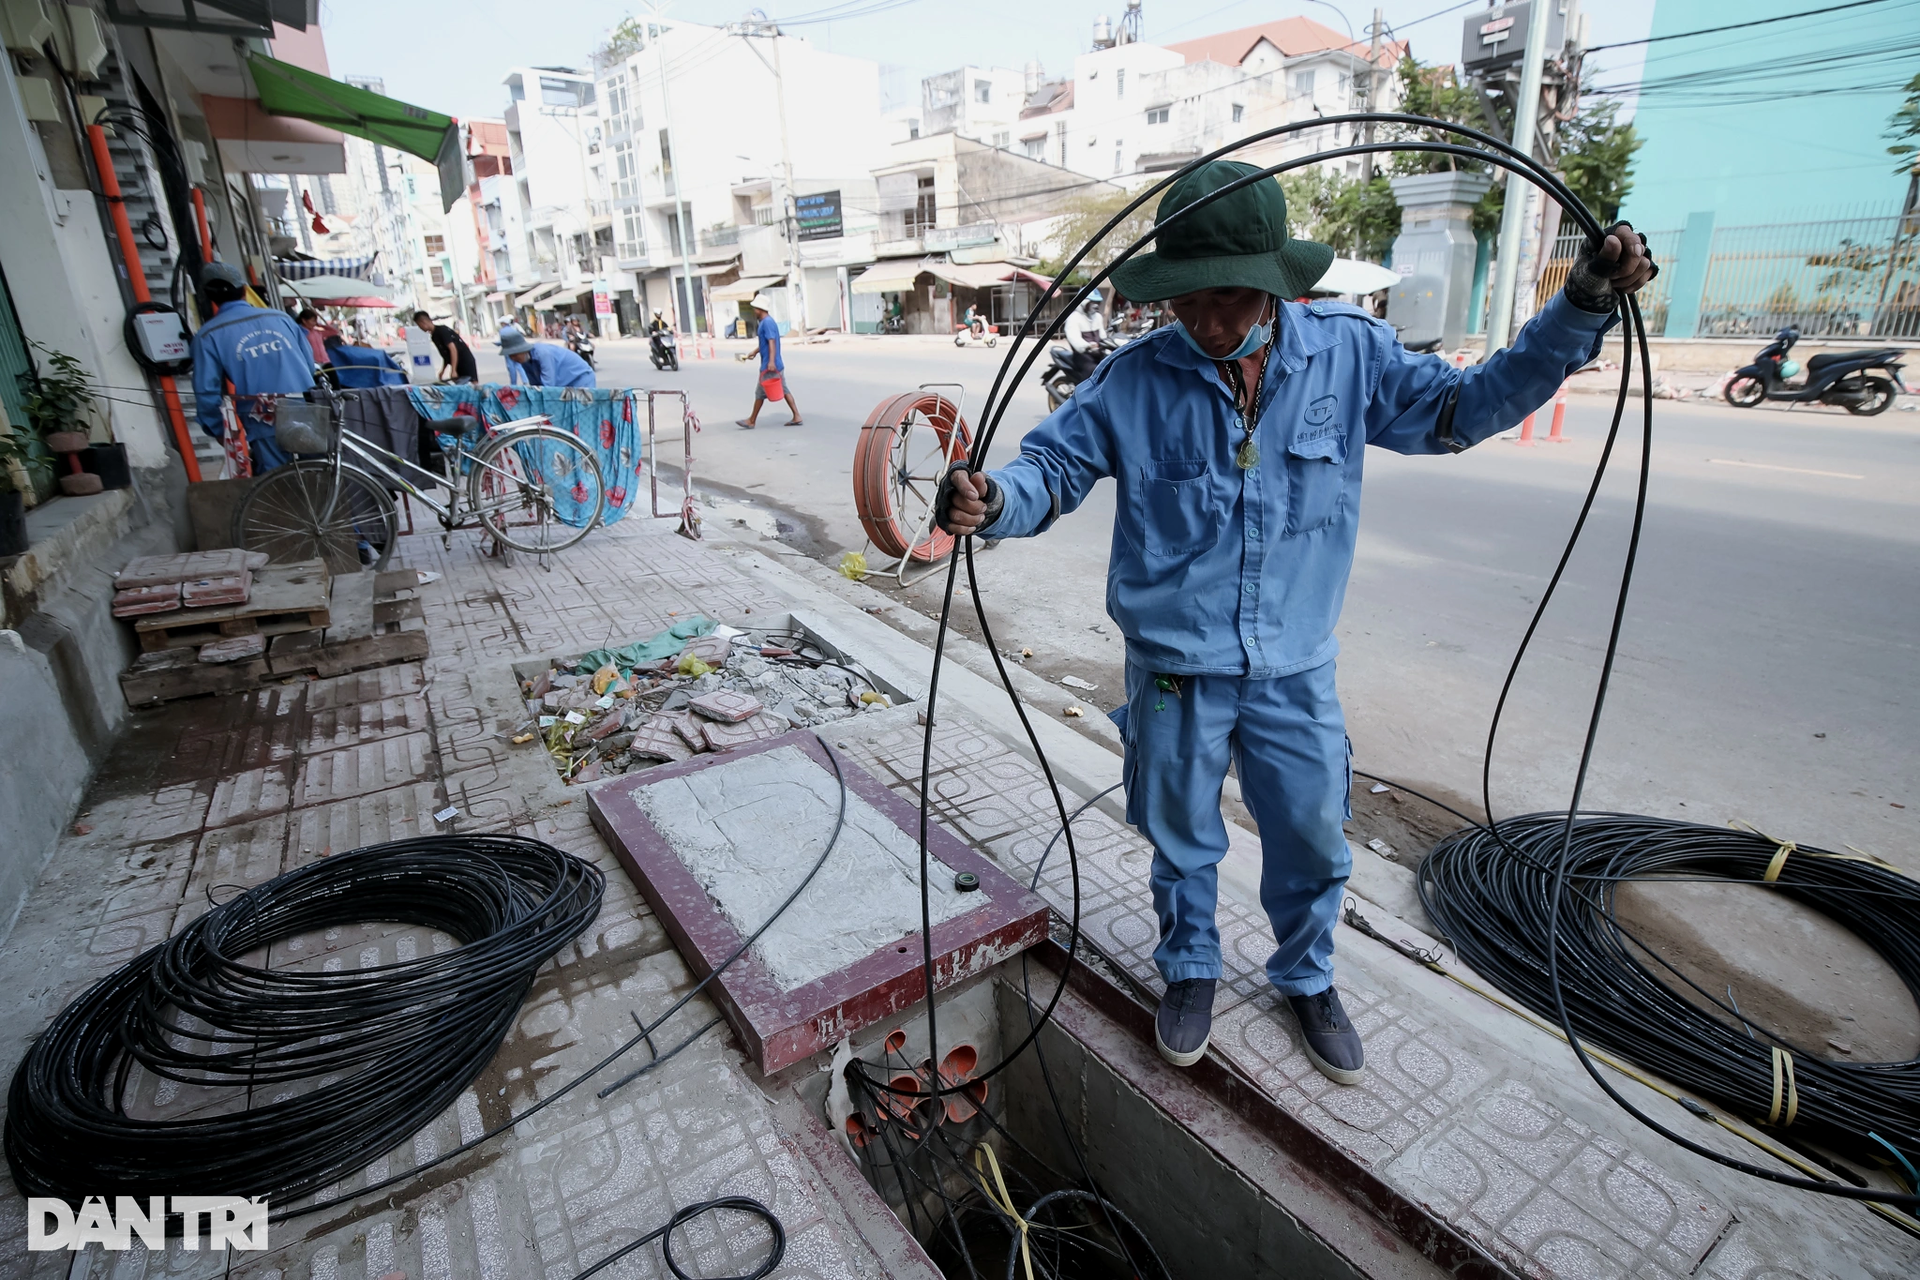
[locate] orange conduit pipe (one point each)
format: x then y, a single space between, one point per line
130 260
200 216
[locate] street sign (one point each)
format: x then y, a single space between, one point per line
818 215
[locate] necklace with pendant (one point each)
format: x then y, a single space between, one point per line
1247 457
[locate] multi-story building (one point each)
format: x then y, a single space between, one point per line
1132 108
737 160
554 140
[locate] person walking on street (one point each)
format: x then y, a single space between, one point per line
772 367
1235 440
456 357
260 352
546 364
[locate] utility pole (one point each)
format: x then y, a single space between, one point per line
679 192
1526 123
789 222
1373 99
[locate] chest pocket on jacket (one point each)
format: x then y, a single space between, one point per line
1316 482
1175 507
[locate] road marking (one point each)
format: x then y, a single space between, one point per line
1799 471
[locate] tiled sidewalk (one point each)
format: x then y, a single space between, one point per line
1507 1145
217 794
1470 1133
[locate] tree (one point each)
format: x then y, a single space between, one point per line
1083 214
1903 130
1596 158
627 38
1359 219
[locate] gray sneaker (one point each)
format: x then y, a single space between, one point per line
1333 1046
1185 1021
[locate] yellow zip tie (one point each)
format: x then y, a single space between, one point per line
1783 1080
1003 1202
1779 860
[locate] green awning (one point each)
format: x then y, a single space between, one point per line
287 90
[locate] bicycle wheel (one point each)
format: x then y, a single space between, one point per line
536 490
309 511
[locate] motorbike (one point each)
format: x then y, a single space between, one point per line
1841 378
1066 370
664 350
582 346
967 336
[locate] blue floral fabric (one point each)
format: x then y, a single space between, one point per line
606 421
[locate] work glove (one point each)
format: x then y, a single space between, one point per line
967 501
1619 265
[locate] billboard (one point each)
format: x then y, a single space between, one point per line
818 215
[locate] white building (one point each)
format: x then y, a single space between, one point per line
565 226
747 168
1133 108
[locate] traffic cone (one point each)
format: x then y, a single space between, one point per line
1526 433
1559 417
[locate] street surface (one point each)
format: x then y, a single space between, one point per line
1767 668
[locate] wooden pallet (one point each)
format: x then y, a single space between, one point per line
374 625
289 597
375 621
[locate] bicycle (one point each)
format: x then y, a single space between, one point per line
531 486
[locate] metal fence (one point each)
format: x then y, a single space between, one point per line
1852 276
1845 277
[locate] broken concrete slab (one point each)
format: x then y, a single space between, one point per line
161 597
731 737
727 705
228 588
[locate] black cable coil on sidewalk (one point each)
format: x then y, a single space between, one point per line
1491 890
349 1063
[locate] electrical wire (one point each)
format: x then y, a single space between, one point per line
384 1049
1490 895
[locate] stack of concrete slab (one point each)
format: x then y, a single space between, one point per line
227 631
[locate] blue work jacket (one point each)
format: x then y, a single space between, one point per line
261 352
549 365
1220 571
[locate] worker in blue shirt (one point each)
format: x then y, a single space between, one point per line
1235 439
546 364
357 367
263 353
767 333
515 374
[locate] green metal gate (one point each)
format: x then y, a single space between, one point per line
16 366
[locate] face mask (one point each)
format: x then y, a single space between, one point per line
1257 337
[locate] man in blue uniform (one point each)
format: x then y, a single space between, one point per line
262 353
1235 439
546 364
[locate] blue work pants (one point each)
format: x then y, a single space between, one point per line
1287 739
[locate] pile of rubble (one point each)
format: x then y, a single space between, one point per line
724 690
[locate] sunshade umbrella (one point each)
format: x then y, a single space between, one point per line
1349 276
330 289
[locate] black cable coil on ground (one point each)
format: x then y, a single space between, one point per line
1491 892
389 1048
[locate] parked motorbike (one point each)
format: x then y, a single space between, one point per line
582 346
664 350
1840 378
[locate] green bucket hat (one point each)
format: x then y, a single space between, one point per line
1239 241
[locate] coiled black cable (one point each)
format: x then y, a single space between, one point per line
1492 895
387 1048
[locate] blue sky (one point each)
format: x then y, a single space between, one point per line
450 56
